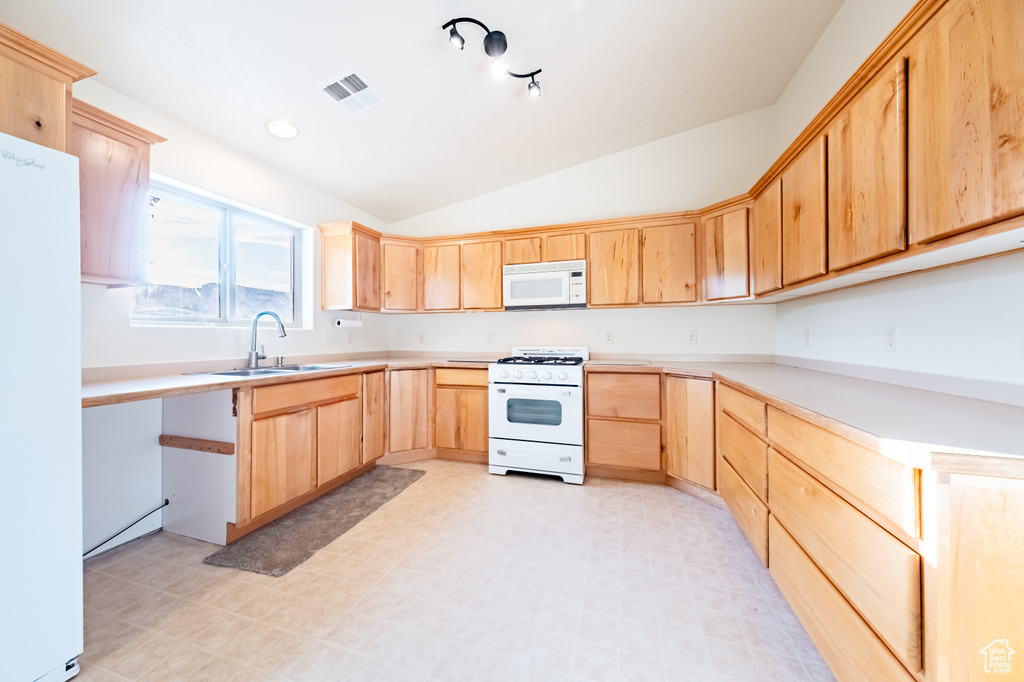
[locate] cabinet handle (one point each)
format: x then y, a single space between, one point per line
501 452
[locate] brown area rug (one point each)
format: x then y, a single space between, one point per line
283 544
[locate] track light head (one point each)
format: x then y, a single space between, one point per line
495 44
456 39
534 88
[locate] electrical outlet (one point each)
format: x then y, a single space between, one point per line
419 337
609 337
807 337
691 337
892 338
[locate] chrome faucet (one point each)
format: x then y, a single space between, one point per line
254 355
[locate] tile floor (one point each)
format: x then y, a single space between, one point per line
464 576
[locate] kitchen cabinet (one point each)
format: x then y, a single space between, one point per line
410 410
624 420
374 417
690 430
568 246
338 438
523 250
283 459
481 276
113 166
750 512
441 277
460 414
35 90
966 161
766 240
400 265
668 254
350 267
867 161
804 216
726 268
613 269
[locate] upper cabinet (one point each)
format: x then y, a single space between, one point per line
523 250
350 260
966 107
400 266
766 240
441 272
668 254
867 161
566 246
614 267
481 275
803 216
35 90
113 168
726 271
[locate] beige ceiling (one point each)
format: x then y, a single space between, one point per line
615 75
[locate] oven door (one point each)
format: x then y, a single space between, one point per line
549 414
533 289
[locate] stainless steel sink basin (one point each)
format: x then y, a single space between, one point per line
270 371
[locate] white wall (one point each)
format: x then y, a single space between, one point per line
857 29
687 171
654 331
108 338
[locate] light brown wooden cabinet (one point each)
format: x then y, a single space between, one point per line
565 246
481 275
523 250
283 459
350 267
726 267
400 274
804 216
966 156
460 414
669 257
766 240
624 420
113 169
35 90
613 269
867 162
410 410
374 417
690 430
442 266
338 438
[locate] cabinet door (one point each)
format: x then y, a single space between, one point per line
690 430
373 416
481 275
461 418
366 276
338 438
441 277
614 267
668 254
804 215
282 459
565 247
867 166
966 104
525 250
409 410
400 277
631 445
624 396
766 240
726 270
33 106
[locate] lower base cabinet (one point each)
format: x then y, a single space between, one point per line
628 445
283 456
750 512
409 407
338 436
690 430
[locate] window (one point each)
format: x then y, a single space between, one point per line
211 262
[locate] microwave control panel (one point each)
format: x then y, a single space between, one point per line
578 287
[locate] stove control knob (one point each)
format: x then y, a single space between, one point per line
547 375
563 376
517 374
504 374
533 375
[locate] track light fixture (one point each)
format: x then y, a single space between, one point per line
495 45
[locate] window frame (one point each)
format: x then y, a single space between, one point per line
230 213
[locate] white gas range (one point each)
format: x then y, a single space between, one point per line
535 413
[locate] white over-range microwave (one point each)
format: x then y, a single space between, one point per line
541 286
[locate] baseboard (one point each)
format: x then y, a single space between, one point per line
463 455
394 458
694 490
621 474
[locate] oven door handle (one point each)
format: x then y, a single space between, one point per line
551 394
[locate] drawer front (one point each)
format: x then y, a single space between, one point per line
878 574
885 486
747 454
750 512
296 393
624 444
445 376
628 396
850 647
748 411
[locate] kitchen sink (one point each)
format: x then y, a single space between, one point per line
271 371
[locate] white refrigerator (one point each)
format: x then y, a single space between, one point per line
40 414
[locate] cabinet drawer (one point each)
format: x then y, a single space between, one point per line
748 411
628 396
444 376
284 396
624 444
747 454
750 512
878 574
885 486
850 647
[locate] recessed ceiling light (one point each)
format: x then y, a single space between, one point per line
281 128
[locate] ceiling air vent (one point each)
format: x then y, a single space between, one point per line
353 93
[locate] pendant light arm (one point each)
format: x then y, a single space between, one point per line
471 20
524 75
